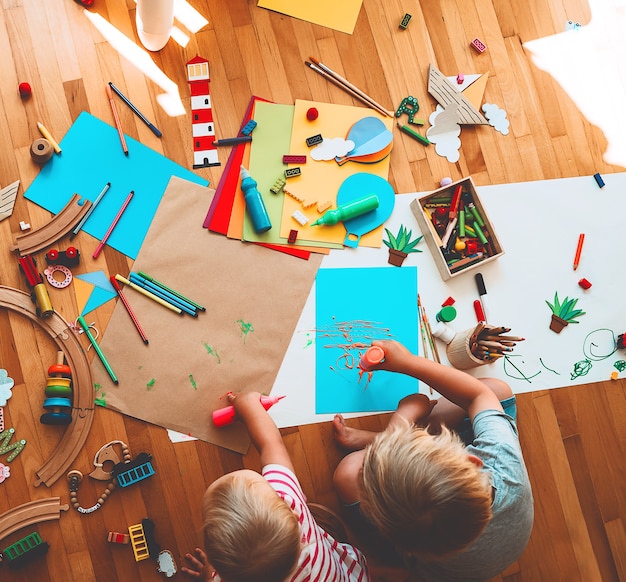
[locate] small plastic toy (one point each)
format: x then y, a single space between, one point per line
58 394
68 258
118 538
410 106
248 128
292 172
293 159
25 90
478 45
39 293
278 185
129 473
314 140
599 180
293 235
24 551
584 283
404 23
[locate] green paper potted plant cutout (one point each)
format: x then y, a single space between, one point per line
563 312
401 245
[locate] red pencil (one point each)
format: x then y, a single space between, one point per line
579 249
99 248
133 317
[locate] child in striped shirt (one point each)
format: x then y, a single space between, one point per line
258 527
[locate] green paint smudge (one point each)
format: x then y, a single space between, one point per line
150 385
99 400
193 382
212 352
246 328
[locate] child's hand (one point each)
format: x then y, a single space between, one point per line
200 566
396 356
243 400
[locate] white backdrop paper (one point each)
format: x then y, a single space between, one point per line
538 224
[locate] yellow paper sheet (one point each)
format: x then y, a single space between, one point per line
340 16
320 181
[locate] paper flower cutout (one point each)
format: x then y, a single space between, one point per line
496 117
330 149
5 472
6 384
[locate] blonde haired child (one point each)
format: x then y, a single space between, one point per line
259 528
454 510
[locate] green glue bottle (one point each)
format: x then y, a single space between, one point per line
349 210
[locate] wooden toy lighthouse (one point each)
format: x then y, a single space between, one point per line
203 128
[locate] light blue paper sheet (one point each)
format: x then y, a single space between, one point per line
353 307
92 156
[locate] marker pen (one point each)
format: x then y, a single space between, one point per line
227 415
373 355
349 210
482 292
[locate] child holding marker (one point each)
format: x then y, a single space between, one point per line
259 528
453 505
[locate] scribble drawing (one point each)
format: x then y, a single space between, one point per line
598 345
212 352
150 384
351 338
193 382
508 363
620 365
581 368
246 328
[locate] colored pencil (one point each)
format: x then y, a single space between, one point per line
136 111
116 118
172 291
96 347
113 225
344 84
131 313
148 294
579 249
83 220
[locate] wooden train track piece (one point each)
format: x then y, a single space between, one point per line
29 514
84 394
60 225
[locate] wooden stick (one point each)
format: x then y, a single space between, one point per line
344 84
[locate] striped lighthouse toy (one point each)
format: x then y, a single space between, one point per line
203 128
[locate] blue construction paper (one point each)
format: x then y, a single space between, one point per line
352 308
92 156
102 290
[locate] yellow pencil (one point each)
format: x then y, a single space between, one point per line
148 294
48 136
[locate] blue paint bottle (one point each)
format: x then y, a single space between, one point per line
254 203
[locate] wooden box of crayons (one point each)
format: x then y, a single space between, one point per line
456 228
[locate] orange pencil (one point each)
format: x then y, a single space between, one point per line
579 250
116 117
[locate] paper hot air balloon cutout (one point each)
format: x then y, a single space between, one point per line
353 188
372 142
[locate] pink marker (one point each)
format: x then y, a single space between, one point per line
374 355
227 415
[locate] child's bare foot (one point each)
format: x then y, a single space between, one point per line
351 438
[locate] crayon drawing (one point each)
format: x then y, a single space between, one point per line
354 307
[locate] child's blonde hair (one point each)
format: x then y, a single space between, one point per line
249 537
423 492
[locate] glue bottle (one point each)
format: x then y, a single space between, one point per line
349 210
374 355
227 415
254 203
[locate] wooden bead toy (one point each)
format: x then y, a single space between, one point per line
58 394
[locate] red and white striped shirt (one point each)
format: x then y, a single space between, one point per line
323 559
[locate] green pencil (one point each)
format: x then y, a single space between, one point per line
418 136
96 347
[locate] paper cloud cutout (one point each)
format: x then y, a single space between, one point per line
6 384
444 132
496 117
330 149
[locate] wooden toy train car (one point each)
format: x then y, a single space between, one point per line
39 293
24 551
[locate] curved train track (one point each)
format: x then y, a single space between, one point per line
29 514
82 378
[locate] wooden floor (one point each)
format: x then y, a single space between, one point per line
574 439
